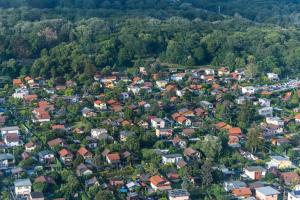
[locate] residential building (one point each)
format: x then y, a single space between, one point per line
46 157
11 129
248 90
275 121
113 158
266 193
265 111
294 194
36 196
158 123
159 183
178 194
279 162
22 187
171 158
255 172
6 160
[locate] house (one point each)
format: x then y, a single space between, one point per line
12 129
171 158
264 102
92 181
244 192
36 196
223 71
164 132
177 77
275 121
183 121
20 93
55 142
12 140
235 131
229 186
22 187
248 90
161 84
255 172
125 134
87 112
46 156
266 193
209 72
100 105
66 156
297 118
83 170
40 115
178 194
113 158
59 127
44 179
294 194
191 154
100 134
159 183
6 160
134 89
279 162
17 82
30 146
290 178
86 154
273 76
206 105
157 123
265 111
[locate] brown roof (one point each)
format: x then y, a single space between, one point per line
58 126
220 125
290 177
83 151
29 144
12 137
181 119
189 151
242 192
297 116
44 179
55 142
64 152
175 115
156 180
17 82
235 131
113 156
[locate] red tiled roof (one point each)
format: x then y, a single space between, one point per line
156 180
113 156
235 131
242 192
64 152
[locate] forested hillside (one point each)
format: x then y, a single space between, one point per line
68 37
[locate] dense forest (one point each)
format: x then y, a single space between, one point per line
79 37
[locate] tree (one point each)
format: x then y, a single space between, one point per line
254 141
206 172
104 195
245 115
211 146
39 187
